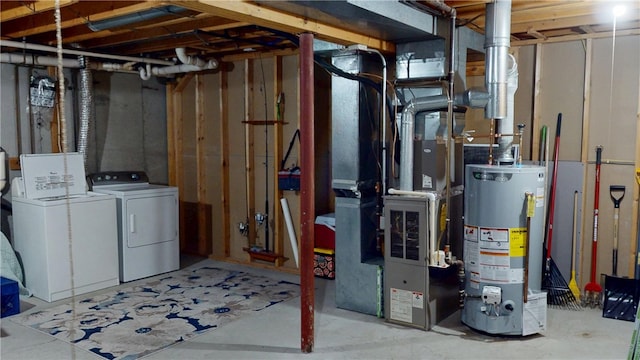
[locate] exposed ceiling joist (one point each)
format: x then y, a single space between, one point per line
30 8
262 16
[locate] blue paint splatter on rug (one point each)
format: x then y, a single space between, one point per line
130 323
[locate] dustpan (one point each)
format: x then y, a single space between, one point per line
621 297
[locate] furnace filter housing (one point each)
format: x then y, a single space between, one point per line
495 217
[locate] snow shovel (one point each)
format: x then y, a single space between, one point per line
620 294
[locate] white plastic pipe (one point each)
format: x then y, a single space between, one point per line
51 49
432 197
194 60
145 73
292 232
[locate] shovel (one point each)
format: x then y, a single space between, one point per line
617 194
621 294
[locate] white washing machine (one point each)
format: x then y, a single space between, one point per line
148 223
46 221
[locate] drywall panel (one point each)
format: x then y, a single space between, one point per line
570 180
562 91
614 100
523 102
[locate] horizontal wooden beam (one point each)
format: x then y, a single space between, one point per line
31 8
259 15
576 37
93 11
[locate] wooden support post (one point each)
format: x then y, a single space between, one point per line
178 167
171 142
249 150
307 187
55 123
585 246
224 173
204 211
278 243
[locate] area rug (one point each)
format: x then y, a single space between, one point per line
137 321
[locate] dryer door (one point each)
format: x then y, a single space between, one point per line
151 220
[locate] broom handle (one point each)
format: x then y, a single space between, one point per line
553 188
596 204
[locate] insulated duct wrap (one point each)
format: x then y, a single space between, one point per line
496 45
86 106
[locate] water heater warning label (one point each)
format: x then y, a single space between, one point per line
488 252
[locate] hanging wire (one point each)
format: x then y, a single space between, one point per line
613 57
63 125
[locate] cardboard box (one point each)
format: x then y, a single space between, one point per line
324 231
9 297
324 263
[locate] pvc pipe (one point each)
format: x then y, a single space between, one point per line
292 232
194 60
145 73
51 49
37 60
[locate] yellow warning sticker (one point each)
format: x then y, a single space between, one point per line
517 238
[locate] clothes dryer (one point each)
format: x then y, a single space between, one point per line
148 223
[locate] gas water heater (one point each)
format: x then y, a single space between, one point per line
503 236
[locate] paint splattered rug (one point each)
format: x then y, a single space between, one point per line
137 321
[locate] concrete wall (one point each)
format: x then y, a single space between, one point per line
128 130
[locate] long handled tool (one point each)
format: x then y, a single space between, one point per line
617 194
573 285
593 289
621 294
636 271
558 292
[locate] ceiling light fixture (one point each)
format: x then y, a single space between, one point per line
136 17
619 10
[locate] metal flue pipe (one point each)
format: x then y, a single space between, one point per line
496 45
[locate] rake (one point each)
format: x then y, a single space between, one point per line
558 293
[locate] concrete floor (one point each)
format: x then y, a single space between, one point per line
274 333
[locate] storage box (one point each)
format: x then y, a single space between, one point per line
289 179
9 297
324 231
324 263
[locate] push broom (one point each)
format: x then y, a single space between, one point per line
558 292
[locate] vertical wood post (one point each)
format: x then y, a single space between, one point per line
224 162
307 187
